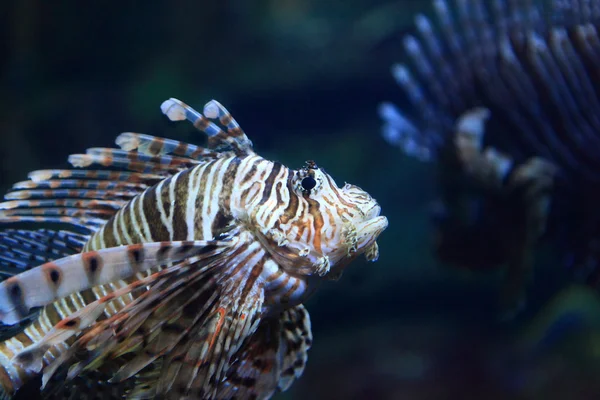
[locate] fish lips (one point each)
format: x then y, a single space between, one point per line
368 232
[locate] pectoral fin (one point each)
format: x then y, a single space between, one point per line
57 279
272 358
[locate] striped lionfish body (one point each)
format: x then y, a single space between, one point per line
530 69
189 276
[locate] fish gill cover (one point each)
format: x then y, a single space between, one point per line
504 98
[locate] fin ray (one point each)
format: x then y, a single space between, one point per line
272 358
57 279
154 146
233 137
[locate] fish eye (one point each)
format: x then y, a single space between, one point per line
308 183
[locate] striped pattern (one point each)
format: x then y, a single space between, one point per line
203 247
57 279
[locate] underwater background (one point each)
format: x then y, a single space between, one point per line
304 79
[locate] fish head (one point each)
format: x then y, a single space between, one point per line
329 226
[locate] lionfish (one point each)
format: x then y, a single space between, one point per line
184 269
506 102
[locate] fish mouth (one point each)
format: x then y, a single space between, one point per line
368 232
373 212
372 228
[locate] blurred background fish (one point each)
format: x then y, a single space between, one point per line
505 101
305 77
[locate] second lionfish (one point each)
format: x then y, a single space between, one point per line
189 278
530 69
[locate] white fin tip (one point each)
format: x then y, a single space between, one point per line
41 175
173 109
127 141
80 160
8 205
472 122
211 110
